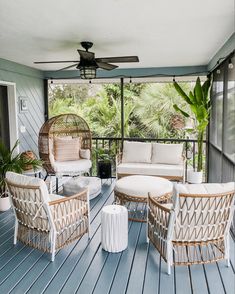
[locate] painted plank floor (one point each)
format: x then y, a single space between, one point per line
83 267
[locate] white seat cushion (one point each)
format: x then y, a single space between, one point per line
137 152
206 188
151 169
19 179
142 185
77 184
54 197
72 167
167 153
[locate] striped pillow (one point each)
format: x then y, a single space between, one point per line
66 150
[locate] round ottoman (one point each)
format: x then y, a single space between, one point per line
114 228
132 191
77 184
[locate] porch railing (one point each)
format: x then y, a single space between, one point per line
113 145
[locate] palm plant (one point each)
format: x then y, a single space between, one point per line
199 103
9 161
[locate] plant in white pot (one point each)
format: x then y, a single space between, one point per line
199 103
10 161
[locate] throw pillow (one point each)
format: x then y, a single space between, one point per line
167 153
66 150
136 152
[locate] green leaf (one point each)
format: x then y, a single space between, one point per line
205 89
192 98
182 93
198 92
181 111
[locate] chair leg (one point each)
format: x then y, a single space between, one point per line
53 247
15 232
227 247
57 185
169 258
168 267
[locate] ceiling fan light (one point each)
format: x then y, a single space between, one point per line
88 72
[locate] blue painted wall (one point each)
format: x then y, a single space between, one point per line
29 83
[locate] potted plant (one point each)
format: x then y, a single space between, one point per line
104 165
199 103
10 161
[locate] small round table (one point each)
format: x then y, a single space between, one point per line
132 192
114 228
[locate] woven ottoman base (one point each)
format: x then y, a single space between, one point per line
77 184
132 192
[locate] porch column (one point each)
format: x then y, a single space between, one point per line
122 110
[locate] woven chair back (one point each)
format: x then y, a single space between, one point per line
29 206
202 217
61 126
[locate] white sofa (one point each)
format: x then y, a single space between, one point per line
155 159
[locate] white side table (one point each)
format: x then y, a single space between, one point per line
35 172
114 228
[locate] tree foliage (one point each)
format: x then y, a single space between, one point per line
148 108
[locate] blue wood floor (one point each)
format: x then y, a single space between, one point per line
85 268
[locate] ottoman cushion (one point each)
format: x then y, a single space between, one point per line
142 185
77 184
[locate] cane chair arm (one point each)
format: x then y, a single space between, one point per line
70 211
159 215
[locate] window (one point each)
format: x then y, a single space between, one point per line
229 114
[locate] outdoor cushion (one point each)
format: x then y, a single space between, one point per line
66 149
29 181
72 167
151 169
54 197
85 153
136 152
142 185
78 184
206 188
167 153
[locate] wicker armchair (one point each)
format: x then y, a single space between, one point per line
62 126
195 227
46 222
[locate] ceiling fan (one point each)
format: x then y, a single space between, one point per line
88 63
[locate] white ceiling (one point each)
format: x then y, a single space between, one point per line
162 33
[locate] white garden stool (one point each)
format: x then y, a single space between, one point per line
114 228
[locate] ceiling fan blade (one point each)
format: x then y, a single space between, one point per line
106 66
67 67
60 61
119 59
86 55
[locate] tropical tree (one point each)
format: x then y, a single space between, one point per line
155 112
199 102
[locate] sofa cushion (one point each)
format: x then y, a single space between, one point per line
137 152
167 153
66 149
151 169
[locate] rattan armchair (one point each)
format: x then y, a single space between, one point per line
46 222
195 226
62 126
